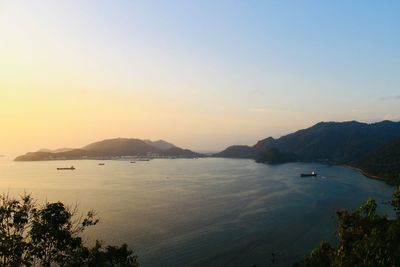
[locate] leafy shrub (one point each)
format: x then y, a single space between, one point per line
50 234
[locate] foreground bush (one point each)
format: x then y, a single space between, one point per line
50 234
365 239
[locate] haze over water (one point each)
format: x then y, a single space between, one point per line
201 212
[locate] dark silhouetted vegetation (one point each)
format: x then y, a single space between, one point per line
336 142
370 147
273 155
51 235
365 239
383 162
113 148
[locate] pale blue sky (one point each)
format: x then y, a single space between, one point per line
202 74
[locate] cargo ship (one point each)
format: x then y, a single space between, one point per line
67 168
312 174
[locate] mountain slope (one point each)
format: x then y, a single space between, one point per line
160 144
383 162
110 148
120 147
273 155
237 151
339 142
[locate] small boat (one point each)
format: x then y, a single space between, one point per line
101 164
133 161
67 168
312 174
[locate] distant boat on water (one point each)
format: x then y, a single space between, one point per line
101 164
133 161
312 174
66 168
143 159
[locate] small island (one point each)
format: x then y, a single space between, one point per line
118 148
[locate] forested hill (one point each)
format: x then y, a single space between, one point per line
114 148
352 143
383 162
340 142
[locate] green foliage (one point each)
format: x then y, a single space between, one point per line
383 162
111 256
274 156
365 239
396 202
373 148
336 142
48 235
14 223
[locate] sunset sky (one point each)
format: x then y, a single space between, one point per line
200 74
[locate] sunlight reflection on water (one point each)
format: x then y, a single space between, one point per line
206 212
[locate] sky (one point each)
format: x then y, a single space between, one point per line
200 74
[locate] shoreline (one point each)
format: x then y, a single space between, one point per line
368 175
363 172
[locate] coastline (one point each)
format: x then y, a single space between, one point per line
363 172
366 174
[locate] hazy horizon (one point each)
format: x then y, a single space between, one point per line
202 75
200 150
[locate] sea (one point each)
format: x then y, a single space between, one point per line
201 212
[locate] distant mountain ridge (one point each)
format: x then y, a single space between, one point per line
160 144
55 150
114 148
339 142
332 142
372 147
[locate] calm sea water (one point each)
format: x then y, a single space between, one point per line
205 212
